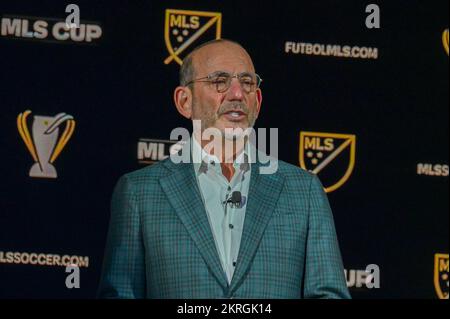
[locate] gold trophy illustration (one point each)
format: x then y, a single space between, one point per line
45 146
445 40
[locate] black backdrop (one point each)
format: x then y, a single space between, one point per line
120 91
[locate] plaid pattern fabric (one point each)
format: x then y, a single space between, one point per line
160 244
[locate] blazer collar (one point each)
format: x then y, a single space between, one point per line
184 195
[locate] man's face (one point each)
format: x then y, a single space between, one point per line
216 109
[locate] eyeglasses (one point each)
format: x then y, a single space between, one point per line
222 81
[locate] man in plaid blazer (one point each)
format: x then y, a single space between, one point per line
162 241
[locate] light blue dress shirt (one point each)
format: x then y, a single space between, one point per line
226 221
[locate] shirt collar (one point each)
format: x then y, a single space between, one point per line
206 161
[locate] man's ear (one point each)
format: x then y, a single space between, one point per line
258 99
183 101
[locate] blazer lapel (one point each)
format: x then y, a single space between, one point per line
182 191
262 199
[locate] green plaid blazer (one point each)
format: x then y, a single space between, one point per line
160 244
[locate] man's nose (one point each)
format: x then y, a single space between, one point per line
235 91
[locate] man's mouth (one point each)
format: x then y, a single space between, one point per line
235 115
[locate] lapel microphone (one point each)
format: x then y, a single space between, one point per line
235 199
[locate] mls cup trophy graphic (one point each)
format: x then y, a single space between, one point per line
45 146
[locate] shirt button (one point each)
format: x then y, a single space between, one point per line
231 226
229 188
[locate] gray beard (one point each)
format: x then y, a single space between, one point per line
223 109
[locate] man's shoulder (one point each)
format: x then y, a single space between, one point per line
296 178
289 170
148 174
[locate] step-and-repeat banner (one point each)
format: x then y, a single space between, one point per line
359 92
